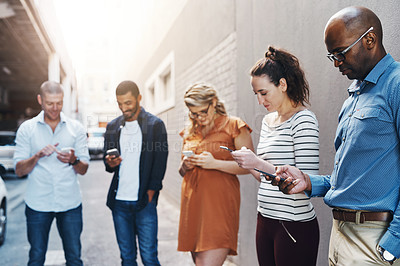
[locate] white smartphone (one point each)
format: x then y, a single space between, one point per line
66 149
188 153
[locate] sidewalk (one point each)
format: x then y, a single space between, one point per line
168 221
16 188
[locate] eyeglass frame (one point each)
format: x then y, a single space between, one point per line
201 113
333 57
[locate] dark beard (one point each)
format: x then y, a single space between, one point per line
133 113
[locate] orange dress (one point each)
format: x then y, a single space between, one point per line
210 199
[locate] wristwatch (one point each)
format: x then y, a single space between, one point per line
386 255
75 162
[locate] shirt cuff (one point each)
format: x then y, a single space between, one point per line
391 243
317 186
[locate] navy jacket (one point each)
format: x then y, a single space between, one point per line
153 158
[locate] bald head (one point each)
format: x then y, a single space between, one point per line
354 35
356 20
50 87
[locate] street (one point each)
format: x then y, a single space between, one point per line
99 246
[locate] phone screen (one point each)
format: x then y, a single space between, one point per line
187 153
114 152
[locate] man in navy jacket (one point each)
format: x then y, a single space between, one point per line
141 140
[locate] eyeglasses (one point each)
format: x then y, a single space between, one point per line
340 56
202 113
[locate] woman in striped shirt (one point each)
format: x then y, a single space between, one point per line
287 227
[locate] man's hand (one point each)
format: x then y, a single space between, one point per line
295 180
47 151
150 194
113 161
24 167
66 157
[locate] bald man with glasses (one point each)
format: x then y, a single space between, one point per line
364 187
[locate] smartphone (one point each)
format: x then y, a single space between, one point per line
66 150
188 153
268 174
226 148
114 152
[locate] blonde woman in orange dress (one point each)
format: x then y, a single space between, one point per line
210 199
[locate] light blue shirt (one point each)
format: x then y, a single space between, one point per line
52 184
366 174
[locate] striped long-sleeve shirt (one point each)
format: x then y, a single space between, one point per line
294 142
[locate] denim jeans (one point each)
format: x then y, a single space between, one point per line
129 223
69 225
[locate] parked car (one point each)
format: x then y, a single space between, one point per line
3 211
7 149
96 140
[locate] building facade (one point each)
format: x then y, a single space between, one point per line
218 42
31 51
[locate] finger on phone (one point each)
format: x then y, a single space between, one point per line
287 185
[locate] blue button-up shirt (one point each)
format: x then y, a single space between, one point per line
366 174
52 184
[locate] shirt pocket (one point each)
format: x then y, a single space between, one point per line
369 125
367 113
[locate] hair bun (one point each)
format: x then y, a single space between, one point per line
271 53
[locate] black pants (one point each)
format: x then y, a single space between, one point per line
276 247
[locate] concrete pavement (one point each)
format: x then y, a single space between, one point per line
168 221
168 215
15 190
98 238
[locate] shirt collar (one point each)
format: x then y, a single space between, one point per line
379 69
355 86
40 117
121 120
373 75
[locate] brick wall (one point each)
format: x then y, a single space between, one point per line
216 67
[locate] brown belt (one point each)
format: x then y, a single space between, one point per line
361 216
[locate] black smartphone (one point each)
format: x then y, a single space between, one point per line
268 174
113 152
226 148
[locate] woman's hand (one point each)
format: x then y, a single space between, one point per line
187 163
204 160
245 158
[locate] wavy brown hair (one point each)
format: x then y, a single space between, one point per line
278 64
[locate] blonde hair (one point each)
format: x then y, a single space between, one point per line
201 94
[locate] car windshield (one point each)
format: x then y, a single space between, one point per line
96 134
7 140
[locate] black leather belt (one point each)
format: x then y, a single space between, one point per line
361 216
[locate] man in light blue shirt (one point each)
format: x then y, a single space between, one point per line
364 187
52 149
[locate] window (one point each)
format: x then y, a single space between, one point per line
150 101
160 87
